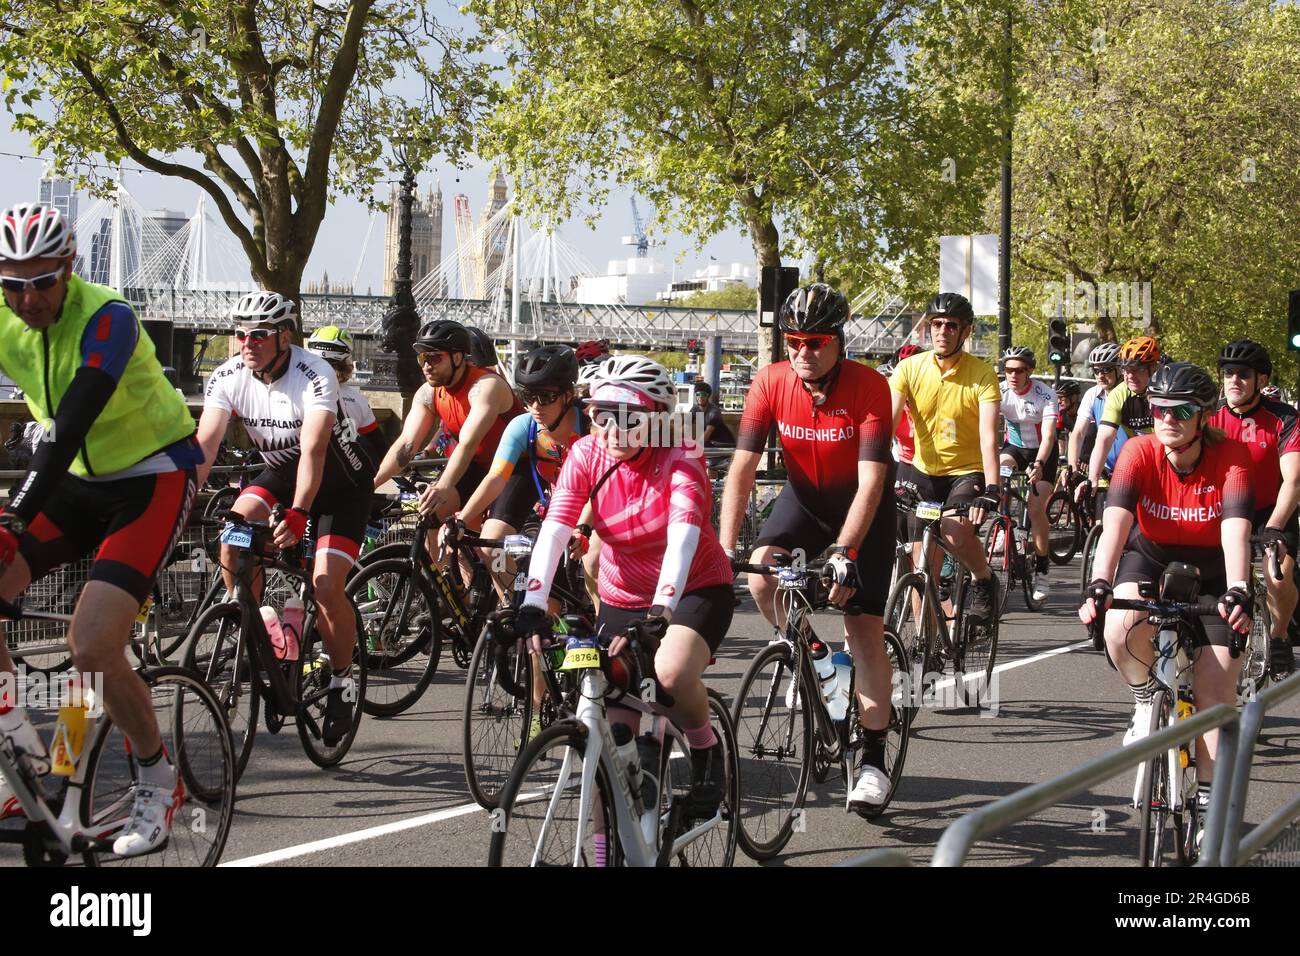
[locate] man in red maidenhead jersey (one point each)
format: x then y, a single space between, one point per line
1269 431
835 421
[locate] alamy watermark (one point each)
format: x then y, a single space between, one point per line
40 690
935 691
1079 300
647 429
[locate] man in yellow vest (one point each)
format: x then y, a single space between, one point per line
115 473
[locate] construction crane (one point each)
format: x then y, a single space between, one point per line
638 238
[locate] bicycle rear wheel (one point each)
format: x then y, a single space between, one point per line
538 821
773 723
1064 528
715 847
495 722
197 738
400 632
218 652
314 669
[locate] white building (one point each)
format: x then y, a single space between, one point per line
634 281
715 277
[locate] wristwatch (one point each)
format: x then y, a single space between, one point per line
844 549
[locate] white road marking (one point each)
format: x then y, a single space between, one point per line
428 819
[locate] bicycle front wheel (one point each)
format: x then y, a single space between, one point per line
1089 552
976 653
539 821
400 634
773 723
496 718
1157 843
1000 549
903 619
197 738
218 652
1064 528
316 671
896 731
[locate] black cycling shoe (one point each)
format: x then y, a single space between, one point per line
982 598
709 779
1281 660
338 715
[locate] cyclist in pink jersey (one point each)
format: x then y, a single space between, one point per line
660 557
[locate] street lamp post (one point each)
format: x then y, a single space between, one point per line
402 322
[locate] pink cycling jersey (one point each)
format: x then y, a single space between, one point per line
632 511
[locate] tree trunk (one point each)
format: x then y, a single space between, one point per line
767 251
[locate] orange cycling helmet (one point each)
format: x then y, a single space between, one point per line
1141 350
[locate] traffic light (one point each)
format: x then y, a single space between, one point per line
694 346
1058 342
1293 320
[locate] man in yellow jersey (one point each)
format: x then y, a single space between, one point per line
953 400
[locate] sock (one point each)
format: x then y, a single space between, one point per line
873 748
1041 566
157 769
701 738
1142 693
601 850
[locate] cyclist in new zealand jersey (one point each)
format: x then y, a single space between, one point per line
115 474
1181 494
1268 429
1030 410
833 417
660 562
288 401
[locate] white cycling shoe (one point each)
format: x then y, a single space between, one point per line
1042 586
871 789
1140 728
151 819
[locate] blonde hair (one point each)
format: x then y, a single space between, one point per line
343 370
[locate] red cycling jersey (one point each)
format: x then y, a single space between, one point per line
822 444
1186 510
451 405
1268 431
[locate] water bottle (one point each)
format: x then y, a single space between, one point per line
821 655
838 703
274 631
72 729
294 612
627 754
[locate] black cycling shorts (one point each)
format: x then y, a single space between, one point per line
1144 560
135 522
706 611
1288 528
949 490
339 518
1026 456
791 525
469 482
517 501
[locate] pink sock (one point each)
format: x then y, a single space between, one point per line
701 738
600 850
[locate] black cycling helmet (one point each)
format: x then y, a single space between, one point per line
1068 387
1022 352
443 334
952 304
548 366
1245 352
1183 382
703 388
482 350
814 308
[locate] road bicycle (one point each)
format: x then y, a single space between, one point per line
1165 787
229 646
506 688
576 786
1007 543
1069 523
939 635
83 813
785 730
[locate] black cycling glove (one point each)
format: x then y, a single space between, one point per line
533 621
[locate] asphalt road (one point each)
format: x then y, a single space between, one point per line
399 798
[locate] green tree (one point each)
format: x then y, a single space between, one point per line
1156 142
286 101
733 296
814 119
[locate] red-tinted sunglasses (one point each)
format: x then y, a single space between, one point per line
814 342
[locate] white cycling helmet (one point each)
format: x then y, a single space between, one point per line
634 373
31 230
266 307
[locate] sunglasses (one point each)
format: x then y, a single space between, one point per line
1182 413
256 336
1239 372
430 358
623 419
950 325
814 342
1104 370
39 283
1015 370
539 398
